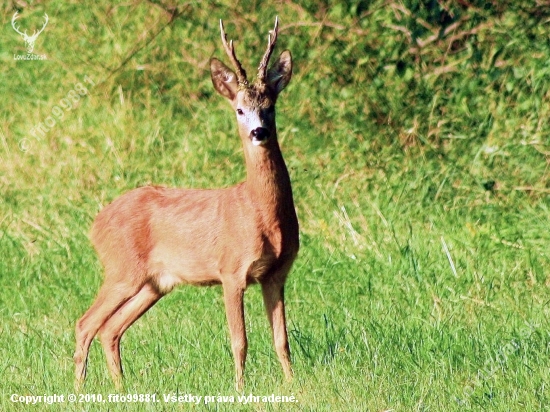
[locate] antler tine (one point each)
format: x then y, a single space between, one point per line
262 69
241 74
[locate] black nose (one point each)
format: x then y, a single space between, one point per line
259 134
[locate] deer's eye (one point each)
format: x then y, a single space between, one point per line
240 112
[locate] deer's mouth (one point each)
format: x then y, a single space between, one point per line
258 142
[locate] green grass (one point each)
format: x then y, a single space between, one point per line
417 140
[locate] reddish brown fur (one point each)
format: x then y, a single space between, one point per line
152 238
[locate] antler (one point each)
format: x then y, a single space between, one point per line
35 33
43 27
14 26
241 74
262 69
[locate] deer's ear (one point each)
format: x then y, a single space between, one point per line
223 78
279 74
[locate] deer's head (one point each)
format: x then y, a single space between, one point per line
254 103
29 40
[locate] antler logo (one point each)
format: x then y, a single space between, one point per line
29 40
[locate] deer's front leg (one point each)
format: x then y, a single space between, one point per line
234 309
273 293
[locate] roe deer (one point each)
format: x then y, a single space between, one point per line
152 238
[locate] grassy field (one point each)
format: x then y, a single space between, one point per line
417 137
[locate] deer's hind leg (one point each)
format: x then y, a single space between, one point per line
110 298
114 327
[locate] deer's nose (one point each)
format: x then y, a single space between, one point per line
259 134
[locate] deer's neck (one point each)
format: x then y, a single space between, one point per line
268 183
